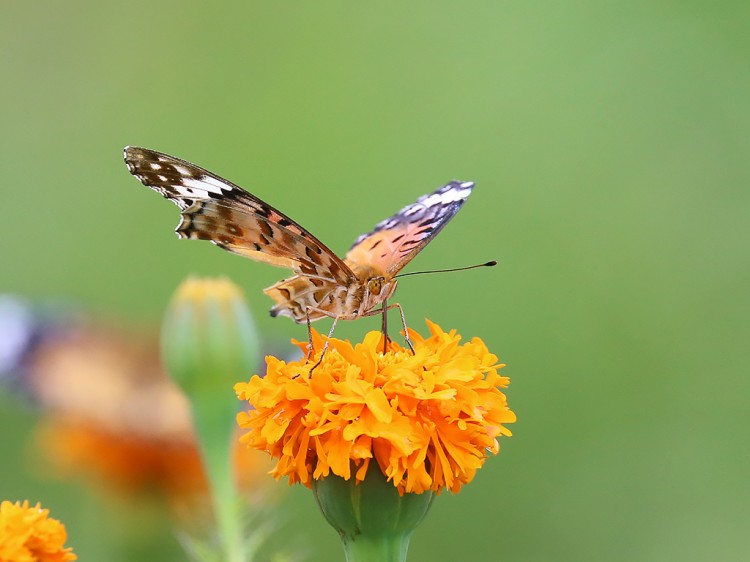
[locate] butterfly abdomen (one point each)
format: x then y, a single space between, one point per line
302 298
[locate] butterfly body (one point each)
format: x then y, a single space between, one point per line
323 285
302 298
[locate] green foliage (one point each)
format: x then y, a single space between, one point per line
609 145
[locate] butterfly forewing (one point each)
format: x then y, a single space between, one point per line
217 210
396 240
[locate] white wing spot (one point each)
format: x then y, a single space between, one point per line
216 183
451 193
202 186
193 193
433 199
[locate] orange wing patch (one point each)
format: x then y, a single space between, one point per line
379 251
398 239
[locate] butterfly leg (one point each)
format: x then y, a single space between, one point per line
325 346
384 326
384 309
403 321
309 337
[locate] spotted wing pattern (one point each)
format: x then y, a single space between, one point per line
217 210
397 239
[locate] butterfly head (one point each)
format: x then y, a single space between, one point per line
377 289
375 285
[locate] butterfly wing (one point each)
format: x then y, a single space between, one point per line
396 240
217 210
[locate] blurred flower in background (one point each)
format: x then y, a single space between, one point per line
109 414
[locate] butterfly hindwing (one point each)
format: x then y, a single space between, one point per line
217 210
396 240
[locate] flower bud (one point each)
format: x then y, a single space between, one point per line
208 338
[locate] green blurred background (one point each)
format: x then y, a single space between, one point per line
609 142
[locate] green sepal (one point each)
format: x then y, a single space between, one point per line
374 521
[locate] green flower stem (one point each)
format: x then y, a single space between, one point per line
375 522
217 454
209 342
377 549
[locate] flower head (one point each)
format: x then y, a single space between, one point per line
428 418
28 535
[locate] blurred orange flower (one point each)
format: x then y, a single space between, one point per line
113 415
428 418
28 535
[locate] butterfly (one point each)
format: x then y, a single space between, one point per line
323 284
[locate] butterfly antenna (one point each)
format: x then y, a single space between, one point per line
488 264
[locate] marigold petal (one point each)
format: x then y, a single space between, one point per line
378 404
27 534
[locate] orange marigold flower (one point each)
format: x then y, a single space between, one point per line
28 535
428 418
